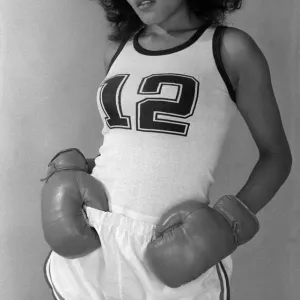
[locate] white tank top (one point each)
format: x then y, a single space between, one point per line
165 117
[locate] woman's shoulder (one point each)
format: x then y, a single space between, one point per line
238 48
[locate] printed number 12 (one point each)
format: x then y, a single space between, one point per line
149 111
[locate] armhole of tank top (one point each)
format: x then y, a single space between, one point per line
120 48
217 42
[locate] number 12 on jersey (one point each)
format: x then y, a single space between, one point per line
150 110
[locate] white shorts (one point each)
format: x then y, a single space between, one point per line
117 270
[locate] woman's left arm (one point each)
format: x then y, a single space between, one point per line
257 104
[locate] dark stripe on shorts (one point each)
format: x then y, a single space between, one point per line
56 295
224 282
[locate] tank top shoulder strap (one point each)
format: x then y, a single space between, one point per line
119 49
217 43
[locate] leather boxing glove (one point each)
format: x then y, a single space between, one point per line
67 190
192 237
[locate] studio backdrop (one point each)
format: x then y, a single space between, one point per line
51 65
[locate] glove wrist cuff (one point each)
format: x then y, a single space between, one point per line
68 159
243 222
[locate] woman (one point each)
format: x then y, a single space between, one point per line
175 78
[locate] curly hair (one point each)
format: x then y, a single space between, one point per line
125 22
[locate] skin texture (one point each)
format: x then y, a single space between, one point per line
166 17
250 73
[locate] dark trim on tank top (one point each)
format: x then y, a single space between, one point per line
178 48
217 42
141 50
121 46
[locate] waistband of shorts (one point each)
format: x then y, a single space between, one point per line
133 214
102 218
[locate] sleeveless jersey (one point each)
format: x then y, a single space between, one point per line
165 117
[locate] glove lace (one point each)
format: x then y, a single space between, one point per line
55 169
235 227
52 165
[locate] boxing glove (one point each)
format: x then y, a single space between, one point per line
67 190
192 237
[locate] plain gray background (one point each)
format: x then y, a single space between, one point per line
51 64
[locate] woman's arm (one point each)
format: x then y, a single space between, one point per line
257 104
